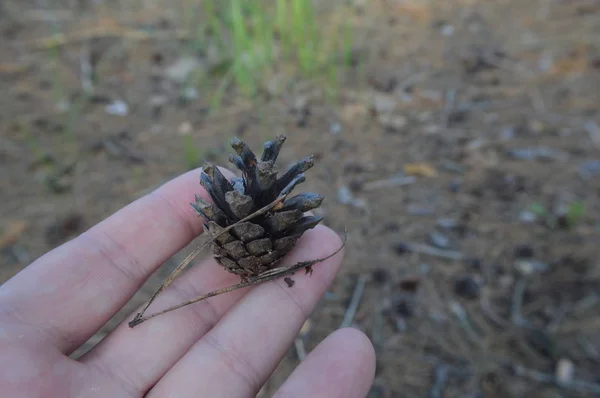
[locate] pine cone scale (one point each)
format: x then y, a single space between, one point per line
248 231
260 246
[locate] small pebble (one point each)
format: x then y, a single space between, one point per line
447 30
564 371
185 128
527 216
189 94
335 128
117 108
467 287
528 267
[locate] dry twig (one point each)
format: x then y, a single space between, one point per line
517 303
389 182
61 39
449 106
300 349
432 251
440 377
354 302
460 313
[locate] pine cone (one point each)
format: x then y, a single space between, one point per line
255 246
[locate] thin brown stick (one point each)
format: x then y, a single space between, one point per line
173 275
196 251
434 251
354 301
61 39
267 276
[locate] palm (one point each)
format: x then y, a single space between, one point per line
224 347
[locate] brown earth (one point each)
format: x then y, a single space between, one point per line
478 273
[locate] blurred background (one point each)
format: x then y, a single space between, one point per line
457 140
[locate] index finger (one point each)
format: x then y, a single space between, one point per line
70 292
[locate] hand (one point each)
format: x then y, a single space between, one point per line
226 346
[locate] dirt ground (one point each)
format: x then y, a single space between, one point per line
462 155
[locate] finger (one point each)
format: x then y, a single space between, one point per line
73 290
342 365
236 357
139 357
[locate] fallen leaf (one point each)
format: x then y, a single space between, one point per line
420 169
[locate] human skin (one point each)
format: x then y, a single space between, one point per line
226 346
